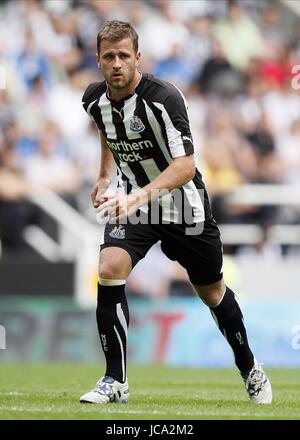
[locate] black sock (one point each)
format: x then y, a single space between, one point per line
229 319
113 320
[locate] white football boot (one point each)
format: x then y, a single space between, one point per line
107 390
258 385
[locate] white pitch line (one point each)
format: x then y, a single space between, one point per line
129 411
14 393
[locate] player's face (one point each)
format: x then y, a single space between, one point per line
118 62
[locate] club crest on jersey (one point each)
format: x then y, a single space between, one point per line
118 232
136 124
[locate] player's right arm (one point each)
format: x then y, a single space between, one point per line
107 162
105 173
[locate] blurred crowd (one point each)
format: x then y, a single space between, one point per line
232 59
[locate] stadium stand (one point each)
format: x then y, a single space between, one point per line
234 60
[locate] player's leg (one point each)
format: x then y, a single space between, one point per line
229 318
112 314
202 257
112 309
124 245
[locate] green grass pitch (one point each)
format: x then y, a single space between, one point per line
52 392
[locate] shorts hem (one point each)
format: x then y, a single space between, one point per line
205 281
135 258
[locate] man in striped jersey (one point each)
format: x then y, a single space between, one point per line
144 129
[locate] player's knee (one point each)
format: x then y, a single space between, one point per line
211 294
213 298
114 268
110 270
114 264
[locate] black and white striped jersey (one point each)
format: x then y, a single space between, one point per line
145 132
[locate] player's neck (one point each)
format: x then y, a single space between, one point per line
119 94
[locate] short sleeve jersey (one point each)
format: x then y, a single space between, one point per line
145 132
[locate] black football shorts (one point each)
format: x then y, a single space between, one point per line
201 255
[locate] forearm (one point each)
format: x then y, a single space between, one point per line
105 174
106 167
107 162
179 172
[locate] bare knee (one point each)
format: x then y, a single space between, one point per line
109 271
211 294
114 264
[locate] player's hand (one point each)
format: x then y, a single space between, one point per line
118 207
97 193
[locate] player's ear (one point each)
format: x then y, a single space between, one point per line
137 59
98 60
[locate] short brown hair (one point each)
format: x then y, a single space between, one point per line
116 31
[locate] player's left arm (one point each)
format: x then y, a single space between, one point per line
179 172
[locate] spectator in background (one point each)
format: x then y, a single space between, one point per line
162 30
13 189
175 69
271 27
228 162
31 115
276 65
30 64
49 167
13 186
275 99
288 148
62 109
239 35
199 44
241 53
217 75
269 169
262 141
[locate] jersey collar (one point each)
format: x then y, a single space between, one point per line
137 88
